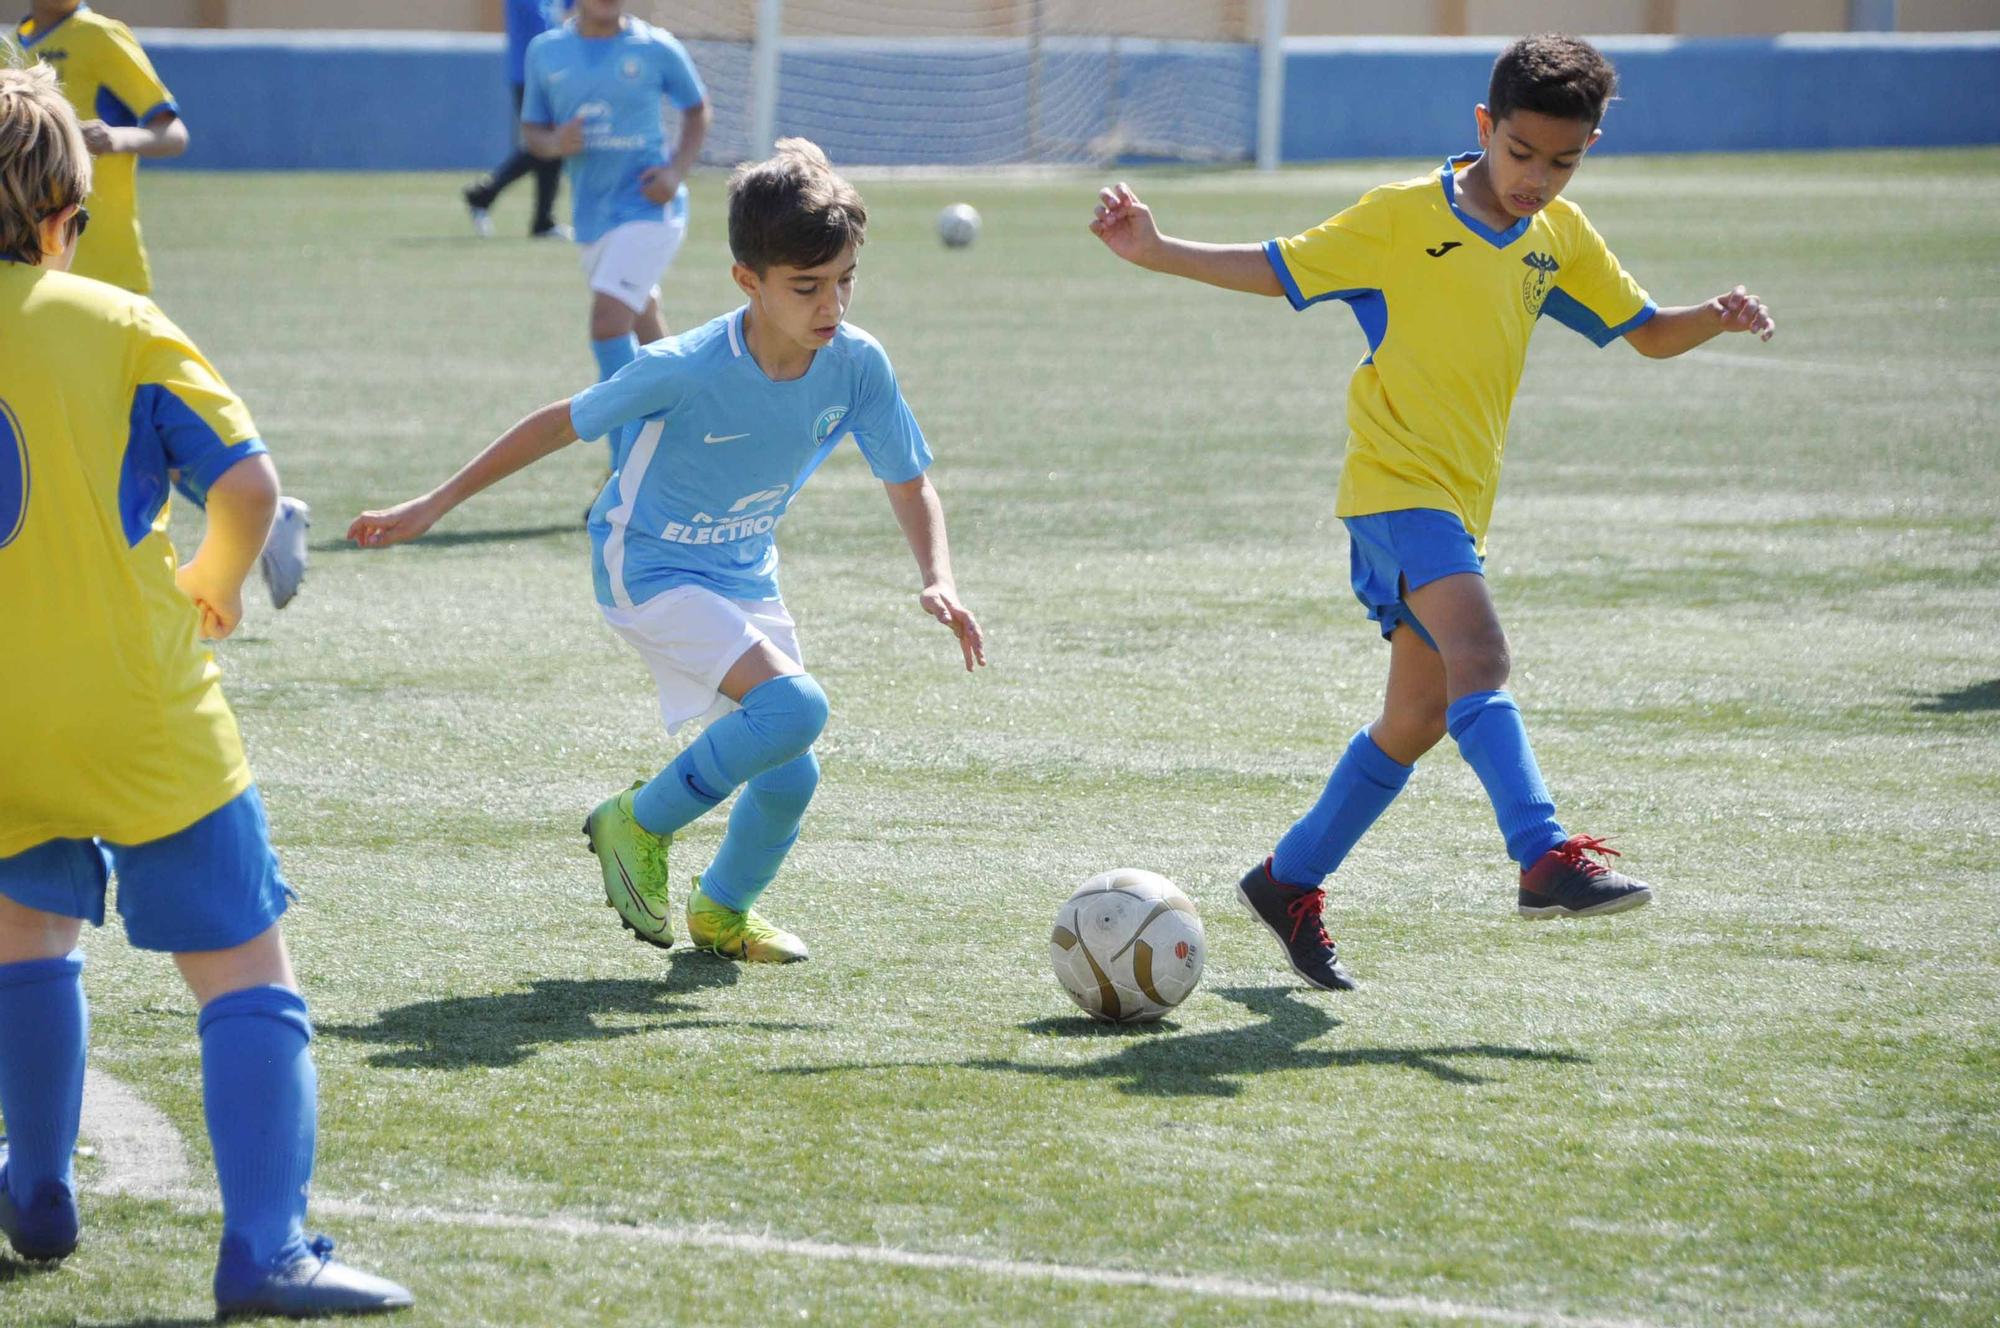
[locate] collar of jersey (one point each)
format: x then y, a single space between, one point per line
1448 177
739 348
27 41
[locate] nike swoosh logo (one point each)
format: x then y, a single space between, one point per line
632 891
1442 249
722 438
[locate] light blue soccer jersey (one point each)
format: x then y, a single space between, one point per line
615 85
711 453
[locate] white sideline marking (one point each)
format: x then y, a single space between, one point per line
142 1155
143 1159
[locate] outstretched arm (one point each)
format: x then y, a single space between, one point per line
1127 229
547 430
921 516
1672 332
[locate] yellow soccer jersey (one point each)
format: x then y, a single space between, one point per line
1447 304
113 723
107 77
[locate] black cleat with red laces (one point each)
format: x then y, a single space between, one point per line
1564 883
1292 914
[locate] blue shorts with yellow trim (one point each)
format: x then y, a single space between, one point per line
211 886
1392 553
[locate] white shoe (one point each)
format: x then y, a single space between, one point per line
283 562
559 231
482 222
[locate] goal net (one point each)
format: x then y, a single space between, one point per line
977 83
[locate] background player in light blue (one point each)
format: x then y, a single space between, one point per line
716 431
526 20
593 94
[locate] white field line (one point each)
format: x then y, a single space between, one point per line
142 1155
1828 369
143 1159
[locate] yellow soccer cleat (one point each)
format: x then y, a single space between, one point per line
634 860
735 935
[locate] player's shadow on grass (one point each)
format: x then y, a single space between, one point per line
1979 696
1157 1062
445 539
506 1028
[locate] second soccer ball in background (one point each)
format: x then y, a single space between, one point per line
958 225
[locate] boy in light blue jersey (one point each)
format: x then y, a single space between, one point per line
716 431
592 96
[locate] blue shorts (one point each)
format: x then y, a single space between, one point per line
1392 553
211 886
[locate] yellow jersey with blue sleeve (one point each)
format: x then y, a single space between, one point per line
106 76
114 725
1447 304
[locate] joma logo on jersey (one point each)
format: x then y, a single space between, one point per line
829 420
1535 286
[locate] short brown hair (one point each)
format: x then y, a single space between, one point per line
792 209
1553 74
44 167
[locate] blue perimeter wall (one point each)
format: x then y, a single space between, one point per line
400 101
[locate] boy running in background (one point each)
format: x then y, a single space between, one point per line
1447 274
120 752
127 113
593 96
526 20
716 431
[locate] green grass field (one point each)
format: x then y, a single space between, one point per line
1754 597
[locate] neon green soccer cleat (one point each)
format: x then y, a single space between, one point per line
735 935
634 860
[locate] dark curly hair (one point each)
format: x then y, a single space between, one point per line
1553 74
792 209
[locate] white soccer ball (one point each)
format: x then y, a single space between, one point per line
958 225
1127 946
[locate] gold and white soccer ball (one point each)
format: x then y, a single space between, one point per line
1127 946
958 225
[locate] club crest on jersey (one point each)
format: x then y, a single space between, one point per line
828 421
629 70
1535 286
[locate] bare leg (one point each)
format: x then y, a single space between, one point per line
28 933
259 962
610 317
1412 720
650 325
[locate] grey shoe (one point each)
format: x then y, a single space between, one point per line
311 1286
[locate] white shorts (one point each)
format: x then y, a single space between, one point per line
690 637
626 261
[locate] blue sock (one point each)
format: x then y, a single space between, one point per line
762 829
43 1024
1363 784
614 353
1490 735
262 1098
778 720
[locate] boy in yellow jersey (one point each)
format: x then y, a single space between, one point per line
127 113
120 753
1447 274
